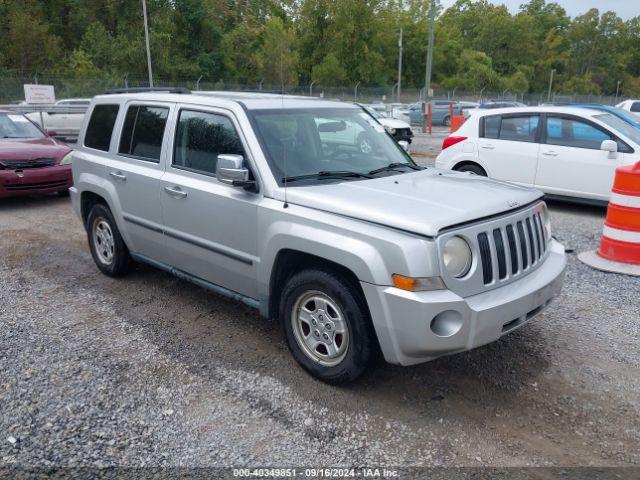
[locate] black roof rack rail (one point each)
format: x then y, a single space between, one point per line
114 91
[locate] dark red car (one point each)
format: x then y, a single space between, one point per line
30 160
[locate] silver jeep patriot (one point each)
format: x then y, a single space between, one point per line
309 211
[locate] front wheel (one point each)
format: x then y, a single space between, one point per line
327 326
447 121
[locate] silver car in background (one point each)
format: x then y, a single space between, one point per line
268 199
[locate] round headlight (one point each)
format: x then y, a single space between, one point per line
391 130
457 257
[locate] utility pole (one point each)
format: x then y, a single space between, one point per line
146 39
617 90
399 64
427 77
553 70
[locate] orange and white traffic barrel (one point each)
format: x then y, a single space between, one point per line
620 245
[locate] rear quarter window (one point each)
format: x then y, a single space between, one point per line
100 127
491 126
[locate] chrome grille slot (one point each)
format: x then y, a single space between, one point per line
523 246
532 246
513 249
485 257
538 221
500 253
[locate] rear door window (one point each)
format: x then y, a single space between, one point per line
143 131
519 128
570 132
635 107
201 137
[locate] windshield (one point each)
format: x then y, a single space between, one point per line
629 131
18 126
312 141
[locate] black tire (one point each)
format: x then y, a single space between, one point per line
360 347
446 121
120 261
473 168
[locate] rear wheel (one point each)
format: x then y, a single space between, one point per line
107 247
327 327
447 121
473 168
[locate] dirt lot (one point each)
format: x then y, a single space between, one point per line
151 370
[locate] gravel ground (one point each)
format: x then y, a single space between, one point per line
153 371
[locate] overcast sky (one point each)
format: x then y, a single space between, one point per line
624 8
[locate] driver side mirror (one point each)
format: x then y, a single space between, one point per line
231 170
611 147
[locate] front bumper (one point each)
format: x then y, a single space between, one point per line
417 327
35 180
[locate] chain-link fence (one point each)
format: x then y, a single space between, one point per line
12 90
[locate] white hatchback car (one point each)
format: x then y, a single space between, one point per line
564 151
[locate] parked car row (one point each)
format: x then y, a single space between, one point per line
311 211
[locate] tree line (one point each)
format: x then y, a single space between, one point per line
478 45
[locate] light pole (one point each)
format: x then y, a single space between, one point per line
553 70
311 88
399 64
355 92
198 83
146 39
427 76
618 90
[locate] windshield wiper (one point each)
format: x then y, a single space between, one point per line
328 175
394 165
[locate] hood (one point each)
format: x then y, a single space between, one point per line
393 123
32 148
422 202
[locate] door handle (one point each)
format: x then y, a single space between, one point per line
175 192
488 146
550 153
118 176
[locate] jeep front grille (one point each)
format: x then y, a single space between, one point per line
504 247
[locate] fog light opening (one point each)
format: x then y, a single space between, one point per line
447 323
